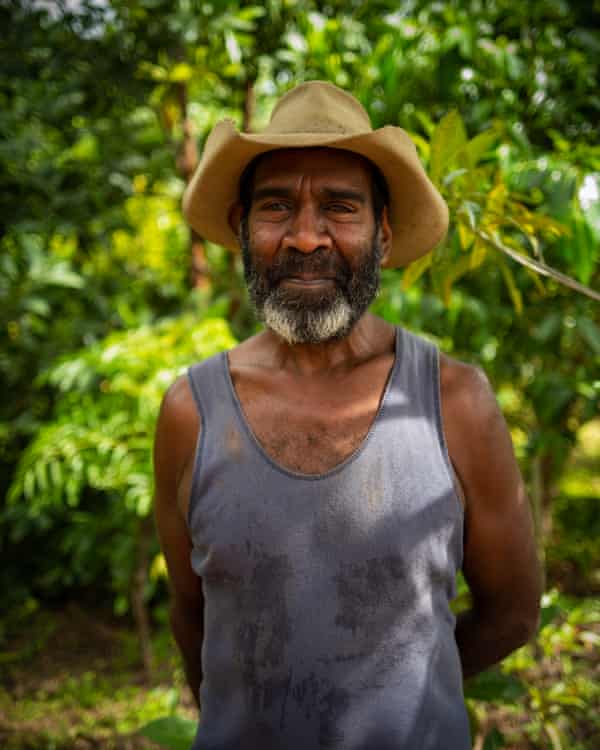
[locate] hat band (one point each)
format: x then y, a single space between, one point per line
324 125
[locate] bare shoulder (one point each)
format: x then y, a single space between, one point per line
177 432
178 409
466 390
478 438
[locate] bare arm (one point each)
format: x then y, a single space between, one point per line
500 562
174 448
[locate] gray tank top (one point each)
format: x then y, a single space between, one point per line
327 621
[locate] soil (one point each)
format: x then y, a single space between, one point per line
44 668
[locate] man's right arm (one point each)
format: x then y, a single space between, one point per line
174 449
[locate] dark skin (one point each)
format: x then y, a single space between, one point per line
311 405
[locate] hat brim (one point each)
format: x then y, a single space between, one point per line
417 213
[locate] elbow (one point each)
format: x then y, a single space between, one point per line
525 626
534 619
185 617
525 630
185 612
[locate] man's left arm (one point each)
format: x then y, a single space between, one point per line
500 562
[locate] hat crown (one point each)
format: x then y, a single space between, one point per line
318 107
314 115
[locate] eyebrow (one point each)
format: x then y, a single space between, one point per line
330 193
271 192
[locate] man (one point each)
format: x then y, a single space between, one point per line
319 486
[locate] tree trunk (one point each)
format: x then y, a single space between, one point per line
548 493
138 588
236 295
536 495
187 161
199 269
542 494
249 103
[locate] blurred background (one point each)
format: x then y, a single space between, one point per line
106 296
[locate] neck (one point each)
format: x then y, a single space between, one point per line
363 341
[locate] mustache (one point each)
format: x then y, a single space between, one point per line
320 263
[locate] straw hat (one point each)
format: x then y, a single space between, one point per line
319 114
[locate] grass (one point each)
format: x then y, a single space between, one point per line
79 685
70 679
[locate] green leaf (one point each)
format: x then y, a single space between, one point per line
415 270
548 328
61 275
38 306
590 333
422 145
494 740
172 732
448 138
233 48
41 477
494 685
452 273
465 236
478 254
452 176
555 736
181 72
511 285
549 613
478 146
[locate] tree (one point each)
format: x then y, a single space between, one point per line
103 108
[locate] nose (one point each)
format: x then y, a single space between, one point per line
307 231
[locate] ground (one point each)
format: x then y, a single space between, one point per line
71 680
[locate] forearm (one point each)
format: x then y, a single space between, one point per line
187 628
484 639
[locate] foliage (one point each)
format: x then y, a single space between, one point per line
88 470
94 256
34 284
487 214
172 732
501 311
558 676
543 694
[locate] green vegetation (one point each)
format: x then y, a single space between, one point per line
105 298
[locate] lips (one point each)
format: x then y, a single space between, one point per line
307 280
321 267
309 277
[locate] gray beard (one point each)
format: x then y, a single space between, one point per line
310 318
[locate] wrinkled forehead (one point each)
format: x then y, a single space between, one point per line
328 163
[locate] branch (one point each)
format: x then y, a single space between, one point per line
538 266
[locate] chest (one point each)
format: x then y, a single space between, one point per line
311 426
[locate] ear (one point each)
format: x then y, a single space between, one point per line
385 235
234 218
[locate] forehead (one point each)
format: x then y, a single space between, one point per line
329 164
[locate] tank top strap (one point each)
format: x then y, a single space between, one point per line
416 372
210 391
415 389
209 387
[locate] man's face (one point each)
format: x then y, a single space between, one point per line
311 247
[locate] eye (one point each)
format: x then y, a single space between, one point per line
340 208
274 206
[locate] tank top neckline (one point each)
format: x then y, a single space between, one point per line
350 458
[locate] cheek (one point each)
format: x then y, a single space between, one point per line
354 242
351 234
265 237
